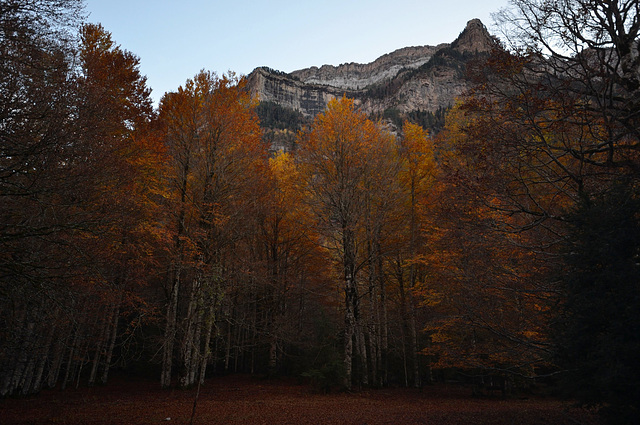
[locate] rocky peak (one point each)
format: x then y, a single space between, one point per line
474 38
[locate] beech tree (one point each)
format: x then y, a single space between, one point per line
213 140
36 101
488 305
290 259
417 179
562 107
343 155
57 179
119 144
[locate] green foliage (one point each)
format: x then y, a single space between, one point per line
394 115
318 355
447 58
385 88
598 332
431 121
279 73
329 375
274 116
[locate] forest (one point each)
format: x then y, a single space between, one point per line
170 243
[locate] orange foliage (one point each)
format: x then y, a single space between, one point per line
484 286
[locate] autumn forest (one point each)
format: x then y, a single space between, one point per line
172 243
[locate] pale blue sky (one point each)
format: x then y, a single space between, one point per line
176 39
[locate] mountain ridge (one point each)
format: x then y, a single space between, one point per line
418 80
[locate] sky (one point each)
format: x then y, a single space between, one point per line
176 39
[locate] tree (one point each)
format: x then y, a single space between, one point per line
484 285
70 174
217 160
342 156
416 180
36 101
122 148
597 330
562 106
287 246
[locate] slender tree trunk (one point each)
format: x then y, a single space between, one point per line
384 345
362 354
351 302
273 354
175 276
23 359
349 326
100 347
30 362
405 318
44 356
413 339
209 326
374 310
413 335
13 365
373 352
187 345
112 340
58 357
227 351
170 331
197 349
73 349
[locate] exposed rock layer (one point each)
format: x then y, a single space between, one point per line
422 78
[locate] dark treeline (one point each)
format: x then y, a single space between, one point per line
172 243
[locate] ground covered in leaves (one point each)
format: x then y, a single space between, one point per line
249 400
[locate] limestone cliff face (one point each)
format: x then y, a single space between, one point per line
309 99
422 78
355 76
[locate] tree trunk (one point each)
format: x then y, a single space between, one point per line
413 344
44 356
100 347
58 358
112 340
362 354
384 334
170 331
197 350
413 336
348 345
273 354
351 302
73 348
227 351
209 325
403 316
187 346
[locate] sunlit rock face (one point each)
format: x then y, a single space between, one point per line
270 86
423 78
355 76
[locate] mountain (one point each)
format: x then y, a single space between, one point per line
418 83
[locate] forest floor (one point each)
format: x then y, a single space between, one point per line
250 400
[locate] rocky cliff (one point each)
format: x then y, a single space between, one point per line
354 76
413 79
